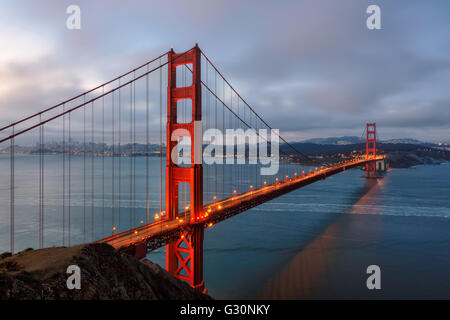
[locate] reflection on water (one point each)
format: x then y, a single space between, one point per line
310 270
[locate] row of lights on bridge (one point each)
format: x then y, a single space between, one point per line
219 207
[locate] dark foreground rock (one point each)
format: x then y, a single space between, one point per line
105 274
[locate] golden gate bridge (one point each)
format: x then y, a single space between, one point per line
150 105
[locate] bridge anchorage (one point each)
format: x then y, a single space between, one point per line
104 117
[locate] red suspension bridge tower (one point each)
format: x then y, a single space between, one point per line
371 149
184 257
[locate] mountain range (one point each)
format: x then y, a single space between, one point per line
345 140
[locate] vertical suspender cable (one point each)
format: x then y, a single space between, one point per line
68 200
12 191
223 139
231 127
43 178
40 182
239 166
134 150
215 126
207 127
256 165
147 177
103 162
120 157
160 138
113 167
130 155
183 185
64 179
92 171
84 171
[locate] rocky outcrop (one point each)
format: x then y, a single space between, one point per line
105 274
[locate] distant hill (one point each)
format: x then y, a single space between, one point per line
405 140
399 155
318 149
346 140
334 140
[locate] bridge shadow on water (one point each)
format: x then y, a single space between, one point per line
310 270
306 275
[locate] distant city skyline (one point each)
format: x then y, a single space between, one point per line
316 62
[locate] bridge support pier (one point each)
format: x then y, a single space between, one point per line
184 257
380 165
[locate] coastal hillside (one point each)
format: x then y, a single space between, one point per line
105 274
399 155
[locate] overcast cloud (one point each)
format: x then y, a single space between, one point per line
311 68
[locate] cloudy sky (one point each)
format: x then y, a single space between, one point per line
309 67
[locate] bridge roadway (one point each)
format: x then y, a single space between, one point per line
159 233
